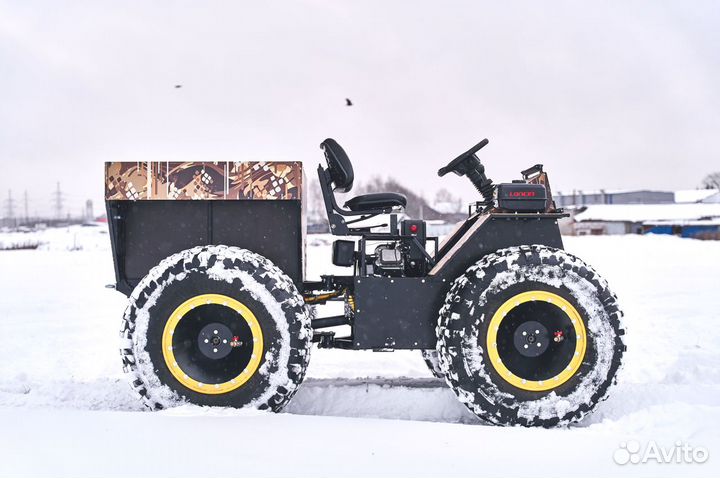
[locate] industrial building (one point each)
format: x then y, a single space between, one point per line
602 196
692 214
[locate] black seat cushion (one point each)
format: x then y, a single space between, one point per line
367 202
339 165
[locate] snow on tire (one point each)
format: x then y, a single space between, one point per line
216 325
433 362
530 336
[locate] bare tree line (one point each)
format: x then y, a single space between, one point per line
444 203
712 181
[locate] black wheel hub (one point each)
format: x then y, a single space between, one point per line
214 340
531 338
525 340
204 345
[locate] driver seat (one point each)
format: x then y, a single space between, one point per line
339 176
366 202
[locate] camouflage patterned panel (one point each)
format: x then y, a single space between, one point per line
126 181
203 180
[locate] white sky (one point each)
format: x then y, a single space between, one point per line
606 94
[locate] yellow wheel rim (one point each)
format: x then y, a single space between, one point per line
214 388
577 356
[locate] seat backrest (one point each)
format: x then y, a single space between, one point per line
339 166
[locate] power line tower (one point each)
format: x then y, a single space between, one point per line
10 209
58 202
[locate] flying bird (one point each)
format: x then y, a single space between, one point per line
348 102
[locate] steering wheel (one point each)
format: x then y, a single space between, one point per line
460 164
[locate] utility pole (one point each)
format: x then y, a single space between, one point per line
58 200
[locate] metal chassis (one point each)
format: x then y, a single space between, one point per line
393 313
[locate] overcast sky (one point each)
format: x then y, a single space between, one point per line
605 94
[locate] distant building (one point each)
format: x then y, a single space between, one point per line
706 196
697 220
608 196
708 228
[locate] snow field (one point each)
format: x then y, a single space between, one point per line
67 410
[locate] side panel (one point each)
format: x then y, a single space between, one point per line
401 313
271 228
495 232
397 313
145 232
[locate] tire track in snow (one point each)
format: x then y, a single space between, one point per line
423 399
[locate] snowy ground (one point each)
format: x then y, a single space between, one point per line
66 410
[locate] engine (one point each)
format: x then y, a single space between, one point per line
404 258
388 260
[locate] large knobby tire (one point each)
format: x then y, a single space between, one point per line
530 336
216 325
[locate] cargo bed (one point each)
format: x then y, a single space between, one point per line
156 209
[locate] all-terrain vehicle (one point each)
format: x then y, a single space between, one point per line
212 257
